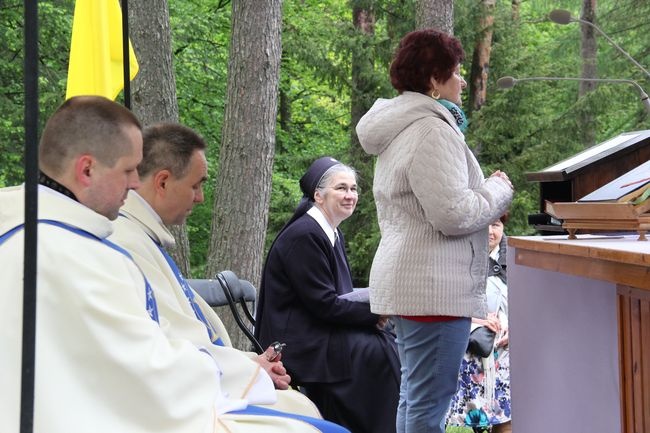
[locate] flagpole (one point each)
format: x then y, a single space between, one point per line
31 214
125 54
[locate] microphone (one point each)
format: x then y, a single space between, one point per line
509 82
563 17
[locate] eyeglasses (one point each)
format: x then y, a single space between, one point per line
345 190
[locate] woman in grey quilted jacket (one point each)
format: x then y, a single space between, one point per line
434 207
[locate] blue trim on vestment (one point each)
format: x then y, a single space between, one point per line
152 307
321 424
189 294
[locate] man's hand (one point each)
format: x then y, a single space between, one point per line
275 370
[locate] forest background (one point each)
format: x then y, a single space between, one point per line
333 58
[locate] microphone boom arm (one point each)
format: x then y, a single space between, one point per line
508 82
563 17
615 45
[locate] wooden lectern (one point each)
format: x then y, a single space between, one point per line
579 306
577 176
579 328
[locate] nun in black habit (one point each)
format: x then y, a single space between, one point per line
336 349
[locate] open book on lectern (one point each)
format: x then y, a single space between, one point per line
632 187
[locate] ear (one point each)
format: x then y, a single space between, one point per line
83 169
318 197
161 180
433 83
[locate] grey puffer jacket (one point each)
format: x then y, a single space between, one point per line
434 207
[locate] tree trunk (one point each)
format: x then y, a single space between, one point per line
481 57
243 184
435 14
516 10
363 94
154 88
588 51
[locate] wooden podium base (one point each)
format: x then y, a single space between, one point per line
580 321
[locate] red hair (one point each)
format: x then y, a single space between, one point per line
423 54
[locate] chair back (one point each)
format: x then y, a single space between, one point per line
238 293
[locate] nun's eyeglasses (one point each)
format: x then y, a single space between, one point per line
345 190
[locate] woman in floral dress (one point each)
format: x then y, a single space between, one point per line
483 396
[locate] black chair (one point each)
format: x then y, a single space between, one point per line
239 292
228 289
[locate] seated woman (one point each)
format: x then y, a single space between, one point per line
336 349
483 396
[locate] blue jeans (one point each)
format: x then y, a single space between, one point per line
430 354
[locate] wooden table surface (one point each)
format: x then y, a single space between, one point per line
620 258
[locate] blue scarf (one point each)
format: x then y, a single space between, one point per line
457 112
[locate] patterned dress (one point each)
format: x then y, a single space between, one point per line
484 383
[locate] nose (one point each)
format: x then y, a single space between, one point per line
352 198
198 197
463 83
134 180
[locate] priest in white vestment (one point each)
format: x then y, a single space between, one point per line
102 362
172 172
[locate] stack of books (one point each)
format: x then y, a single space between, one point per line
620 205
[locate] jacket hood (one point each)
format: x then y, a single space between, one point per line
387 118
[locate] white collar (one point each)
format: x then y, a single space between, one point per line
318 215
137 209
146 205
494 254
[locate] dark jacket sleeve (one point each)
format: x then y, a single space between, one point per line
312 273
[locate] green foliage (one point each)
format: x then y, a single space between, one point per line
520 130
456 429
200 38
536 124
321 47
54 39
11 94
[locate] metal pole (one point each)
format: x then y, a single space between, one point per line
31 215
125 54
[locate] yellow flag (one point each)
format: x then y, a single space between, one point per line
96 66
